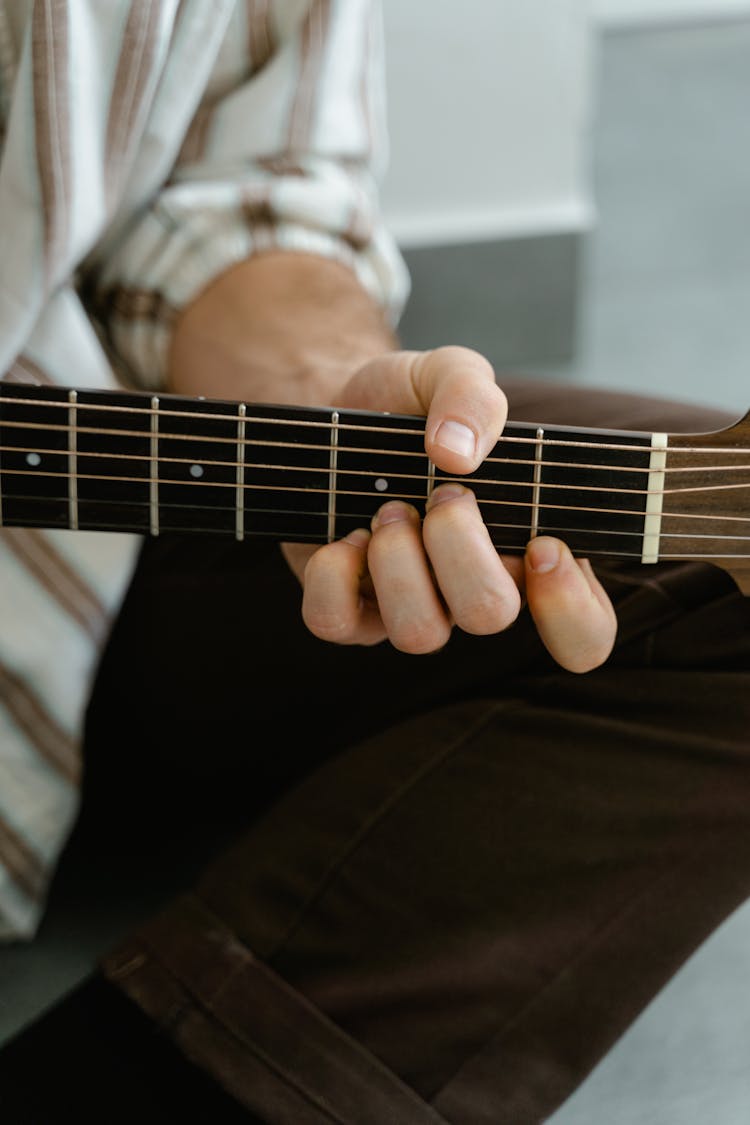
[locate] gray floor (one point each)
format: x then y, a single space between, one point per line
664 307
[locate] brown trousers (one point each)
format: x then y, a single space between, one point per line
456 879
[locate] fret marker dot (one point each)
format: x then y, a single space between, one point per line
33 459
381 484
196 470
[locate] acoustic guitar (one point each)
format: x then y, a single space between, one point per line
122 461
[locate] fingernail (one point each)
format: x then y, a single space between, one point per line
543 554
392 512
446 492
456 437
360 537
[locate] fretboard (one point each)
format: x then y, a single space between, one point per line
111 461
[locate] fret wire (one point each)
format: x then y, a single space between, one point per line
537 483
332 477
431 472
240 495
403 431
72 463
154 482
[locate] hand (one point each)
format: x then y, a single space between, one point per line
412 581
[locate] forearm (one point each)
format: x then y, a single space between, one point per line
280 327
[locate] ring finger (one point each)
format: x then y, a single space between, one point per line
480 593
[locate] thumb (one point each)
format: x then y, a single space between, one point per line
454 387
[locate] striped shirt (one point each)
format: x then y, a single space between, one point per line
147 146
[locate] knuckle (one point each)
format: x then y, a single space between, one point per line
393 545
459 354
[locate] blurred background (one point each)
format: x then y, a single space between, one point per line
570 182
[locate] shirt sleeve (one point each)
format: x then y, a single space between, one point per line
285 152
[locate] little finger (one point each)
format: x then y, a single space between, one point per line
570 608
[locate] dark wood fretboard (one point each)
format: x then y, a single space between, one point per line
112 461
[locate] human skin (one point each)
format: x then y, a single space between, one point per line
298 329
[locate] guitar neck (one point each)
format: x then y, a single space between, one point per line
131 462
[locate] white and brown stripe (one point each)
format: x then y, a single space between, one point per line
29 713
7 68
313 39
366 84
257 210
50 66
130 303
133 82
69 589
24 866
261 36
25 370
360 229
282 164
243 111
196 138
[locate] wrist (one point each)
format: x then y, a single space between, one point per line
279 327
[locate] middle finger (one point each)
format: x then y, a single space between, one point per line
410 606
480 593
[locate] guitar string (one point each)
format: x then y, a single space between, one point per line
400 431
147 481
470 478
504 548
232 439
504 439
466 481
323 449
508 548
230 418
366 516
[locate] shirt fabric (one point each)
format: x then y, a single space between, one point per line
146 146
